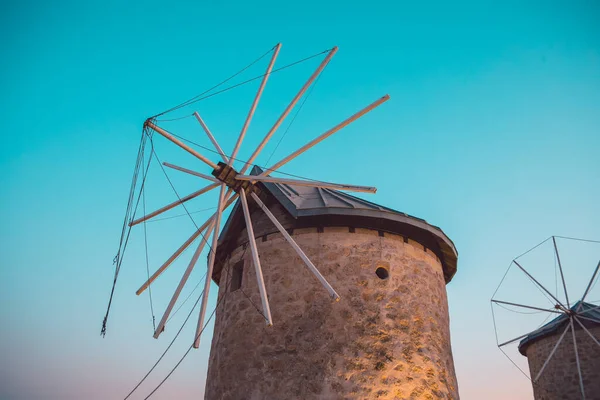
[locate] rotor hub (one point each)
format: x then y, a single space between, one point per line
226 174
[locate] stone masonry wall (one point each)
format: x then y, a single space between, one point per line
560 379
385 339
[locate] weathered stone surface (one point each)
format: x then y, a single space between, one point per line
385 339
560 378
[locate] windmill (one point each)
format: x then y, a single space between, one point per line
564 353
380 327
233 184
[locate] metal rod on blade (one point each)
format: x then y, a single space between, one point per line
589 286
552 352
181 144
211 137
561 272
174 204
182 283
577 361
254 104
540 285
328 185
513 340
524 306
182 248
256 260
587 330
189 171
288 109
211 263
324 136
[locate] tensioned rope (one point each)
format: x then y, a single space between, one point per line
519 312
578 239
168 347
204 95
179 198
501 349
175 190
182 215
126 229
296 114
222 297
186 299
511 263
146 248
194 99
219 300
176 335
555 275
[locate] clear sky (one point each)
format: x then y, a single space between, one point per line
492 133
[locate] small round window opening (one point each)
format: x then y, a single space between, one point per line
382 273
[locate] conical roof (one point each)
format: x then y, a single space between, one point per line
558 324
311 206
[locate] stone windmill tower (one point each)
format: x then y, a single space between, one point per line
549 350
380 328
388 336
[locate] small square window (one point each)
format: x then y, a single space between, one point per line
236 276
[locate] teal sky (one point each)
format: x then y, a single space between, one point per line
492 134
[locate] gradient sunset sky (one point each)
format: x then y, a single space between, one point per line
492 133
